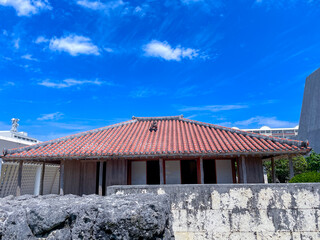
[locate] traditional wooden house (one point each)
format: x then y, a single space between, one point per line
156 150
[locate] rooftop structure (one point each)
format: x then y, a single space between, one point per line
14 139
289 133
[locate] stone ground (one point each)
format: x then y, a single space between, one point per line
134 216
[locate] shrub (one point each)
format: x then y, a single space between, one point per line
306 177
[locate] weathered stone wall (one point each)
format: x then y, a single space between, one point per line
253 211
142 216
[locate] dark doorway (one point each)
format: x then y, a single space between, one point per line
209 171
103 178
189 172
153 172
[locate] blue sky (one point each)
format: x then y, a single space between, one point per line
74 65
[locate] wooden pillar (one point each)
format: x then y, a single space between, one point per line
61 177
201 171
273 170
42 177
161 171
291 170
244 169
18 193
233 166
100 177
239 170
198 171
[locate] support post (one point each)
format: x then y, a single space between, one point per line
273 170
61 177
37 181
161 171
291 170
18 193
198 171
201 171
244 169
100 177
42 177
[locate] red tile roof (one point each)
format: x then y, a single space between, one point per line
174 136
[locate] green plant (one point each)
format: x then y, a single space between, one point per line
306 177
313 161
300 164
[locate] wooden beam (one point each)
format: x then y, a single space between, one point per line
42 178
244 169
273 170
161 171
18 193
100 178
291 170
61 177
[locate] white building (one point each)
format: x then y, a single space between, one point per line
275 132
31 173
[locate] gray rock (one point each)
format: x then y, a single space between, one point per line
136 216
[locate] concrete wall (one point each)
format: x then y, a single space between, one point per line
309 126
252 211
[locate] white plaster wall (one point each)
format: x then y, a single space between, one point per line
173 172
138 172
224 171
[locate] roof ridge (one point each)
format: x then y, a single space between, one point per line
26 148
257 135
158 118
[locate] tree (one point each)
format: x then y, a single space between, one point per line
282 168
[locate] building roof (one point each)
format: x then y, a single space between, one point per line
157 136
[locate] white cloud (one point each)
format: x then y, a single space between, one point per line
97 5
29 57
214 108
50 116
268 121
187 2
27 7
109 50
9 84
165 51
69 83
145 92
41 39
16 43
74 45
